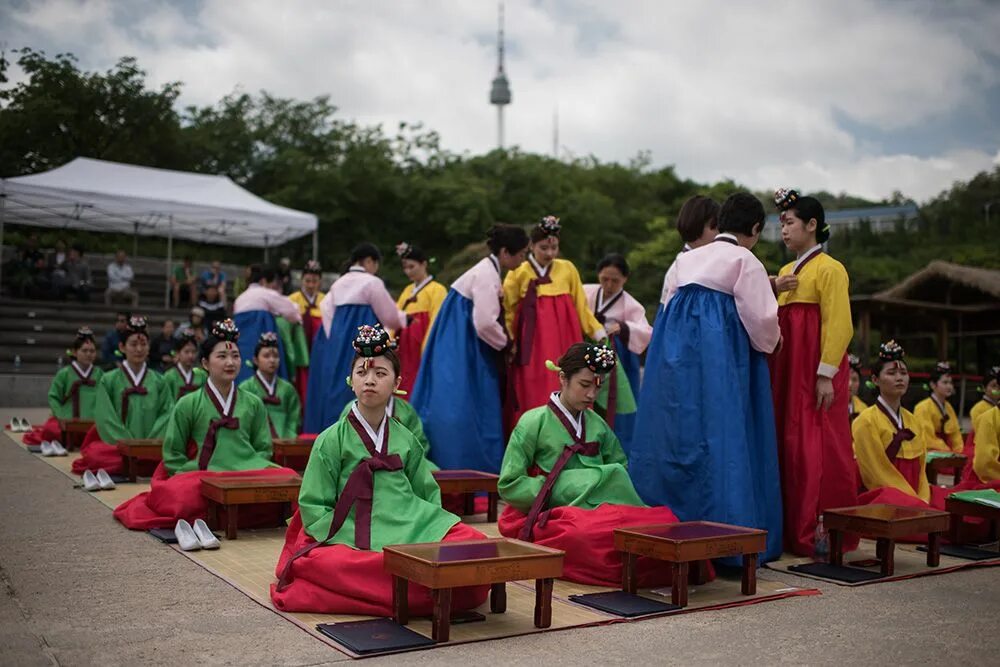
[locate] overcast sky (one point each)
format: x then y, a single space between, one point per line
862 96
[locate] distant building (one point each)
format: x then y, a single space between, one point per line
881 218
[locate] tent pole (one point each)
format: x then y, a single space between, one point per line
3 204
316 244
135 239
265 249
170 261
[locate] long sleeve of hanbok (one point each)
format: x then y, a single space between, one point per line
756 305
486 314
175 441
611 449
318 493
515 486
436 297
418 471
640 331
294 423
512 291
836 330
591 327
260 433
164 407
986 462
877 471
57 392
109 424
385 308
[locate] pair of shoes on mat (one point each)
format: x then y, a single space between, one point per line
193 538
100 482
53 448
19 425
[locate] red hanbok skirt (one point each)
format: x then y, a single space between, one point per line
557 326
411 343
170 499
48 431
969 451
814 447
587 537
910 470
95 454
338 579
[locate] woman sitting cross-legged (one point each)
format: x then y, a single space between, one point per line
564 478
367 485
216 431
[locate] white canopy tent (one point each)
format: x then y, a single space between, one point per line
110 197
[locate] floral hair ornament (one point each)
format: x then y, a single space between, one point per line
136 325
83 334
889 352
854 363
184 336
312 267
371 341
785 199
600 359
550 225
226 330
404 250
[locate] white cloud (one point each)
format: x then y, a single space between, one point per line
747 90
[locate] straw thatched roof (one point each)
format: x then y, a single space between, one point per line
984 281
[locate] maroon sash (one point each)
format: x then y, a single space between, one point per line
359 492
527 319
901 435
579 446
134 389
224 421
74 389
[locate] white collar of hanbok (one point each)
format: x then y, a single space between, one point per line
727 235
940 406
357 268
227 402
269 386
422 284
897 416
577 421
79 370
687 246
601 301
538 267
496 262
136 378
187 375
807 255
374 434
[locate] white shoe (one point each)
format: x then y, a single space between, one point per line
90 482
47 448
25 425
14 425
186 539
205 536
58 449
104 479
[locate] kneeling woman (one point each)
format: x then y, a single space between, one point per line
73 392
890 443
184 376
218 430
284 411
564 478
372 465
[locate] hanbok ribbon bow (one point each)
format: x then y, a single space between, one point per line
208 446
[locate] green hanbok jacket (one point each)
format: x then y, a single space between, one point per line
286 414
61 392
146 415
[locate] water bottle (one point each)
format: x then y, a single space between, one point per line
822 543
59 362
17 362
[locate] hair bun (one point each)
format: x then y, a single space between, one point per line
186 334
404 250
312 266
992 374
785 198
268 339
943 367
599 358
225 330
371 341
85 333
550 225
136 324
853 362
891 351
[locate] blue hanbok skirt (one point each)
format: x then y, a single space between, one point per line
704 442
457 392
252 324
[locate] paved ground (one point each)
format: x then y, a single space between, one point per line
77 589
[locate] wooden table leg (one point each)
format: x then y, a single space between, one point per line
749 574
888 556
213 515
441 620
232 519
836 547
698 572
498 598
629 575
933 549
470 504
679 585
994 530
880 549
543 603
932 475
400 601
954 529
492 500
133 468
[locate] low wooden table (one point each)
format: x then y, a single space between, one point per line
682 543
955 463
961 508
442 566
145 449
468 483
74 431
283 448
231 492
886 523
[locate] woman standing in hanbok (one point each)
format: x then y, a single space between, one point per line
132 402
546 311
704 441
629 331
565 481
936 412
457 393
991 398
420 300
184 376
308 298
809 375
262 307
284 412
358 297
229 432
367 485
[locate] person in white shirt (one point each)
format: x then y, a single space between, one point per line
120 277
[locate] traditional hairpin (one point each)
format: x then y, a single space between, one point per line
404 250
313 267
785 198
85 333
226 330
136 324
943 367
550 225
854 363
268 339
371 341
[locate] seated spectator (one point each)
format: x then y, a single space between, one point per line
183 280
211 303
161 355
55 265
74 278
284 272
216 275
26 268
120 277
109 346
196 323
